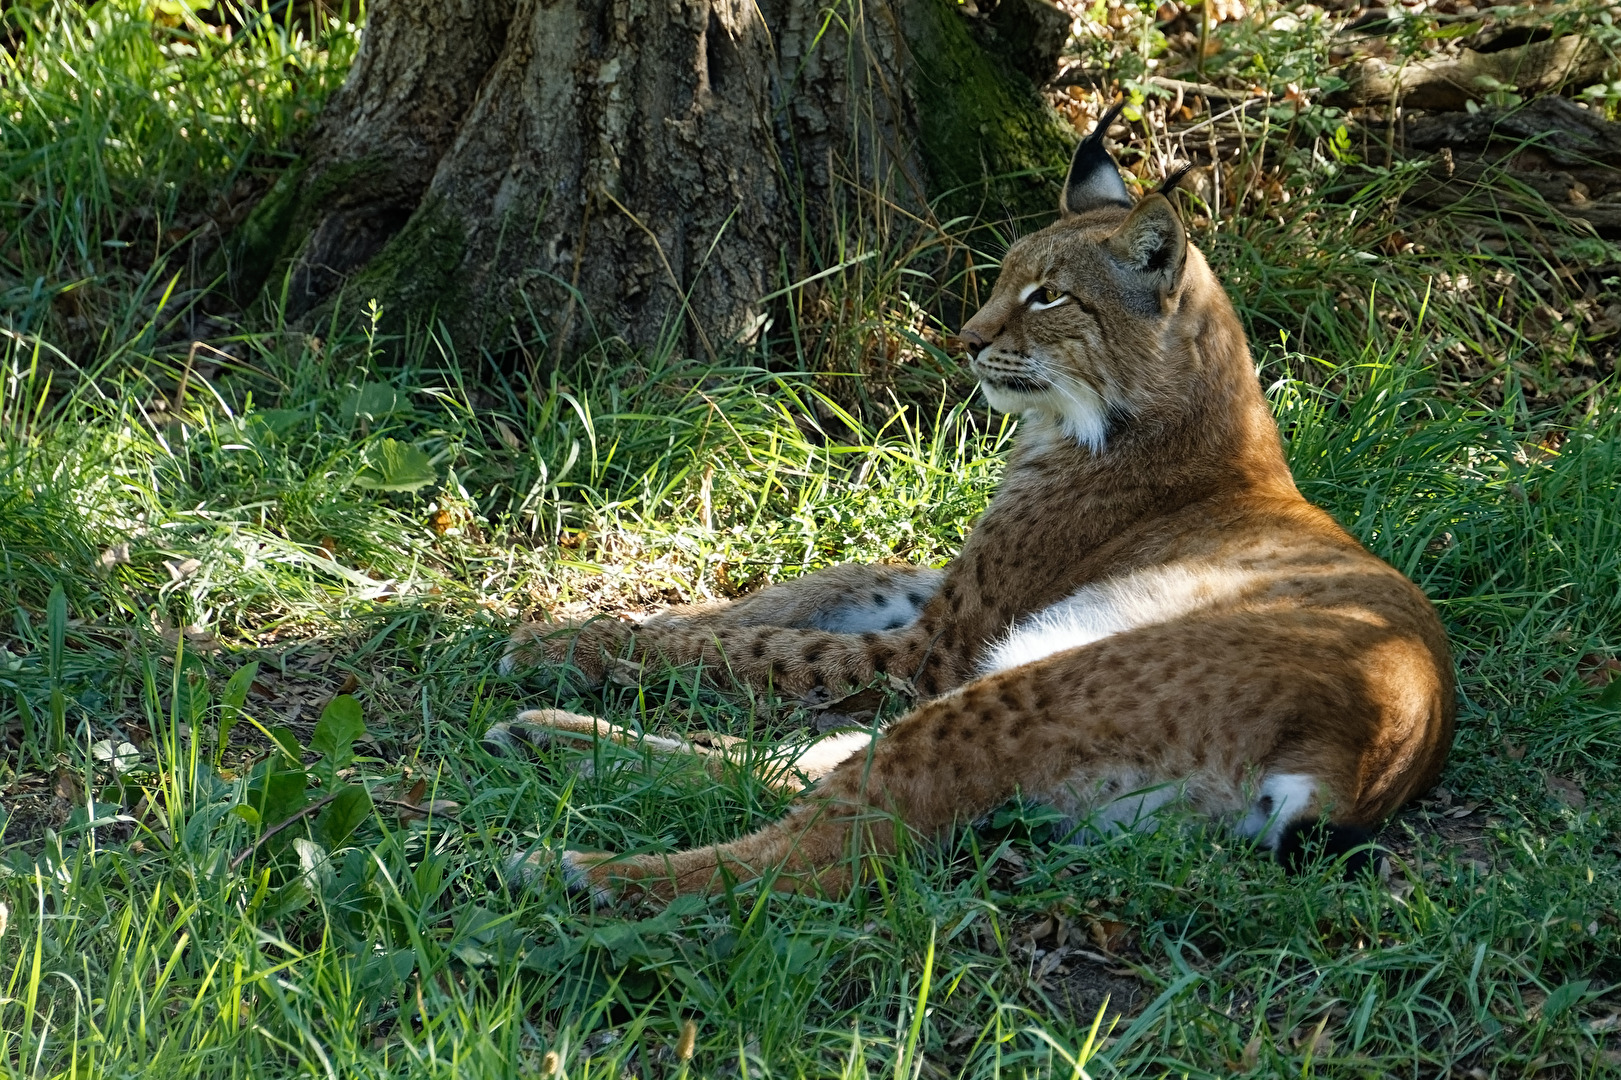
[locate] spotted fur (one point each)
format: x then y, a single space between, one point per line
1149 612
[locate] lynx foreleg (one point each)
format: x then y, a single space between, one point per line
826 628
853 598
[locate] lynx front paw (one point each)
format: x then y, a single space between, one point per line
585 872
579 871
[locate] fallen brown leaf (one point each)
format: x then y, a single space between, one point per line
1565 791
1598 671
1249 1058
68 787
1110 936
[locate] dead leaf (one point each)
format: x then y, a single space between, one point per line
508 436
1043 930
1250 1057
197 638
1598 671
349 685
1049 963
117 555
438 808
1319 1043
1011 857
67 786
180 571
1604 1023
1110 936
122 756
1567 792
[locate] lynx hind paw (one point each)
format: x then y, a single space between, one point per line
533 643
523 648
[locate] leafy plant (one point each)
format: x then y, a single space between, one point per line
392 465
283 791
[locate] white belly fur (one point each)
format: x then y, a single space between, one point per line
1106 608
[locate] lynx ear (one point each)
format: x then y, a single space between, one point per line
1094 179
1153 244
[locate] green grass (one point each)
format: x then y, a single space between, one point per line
150 553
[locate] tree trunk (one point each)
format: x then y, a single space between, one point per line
559 172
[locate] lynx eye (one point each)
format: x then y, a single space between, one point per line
1041 297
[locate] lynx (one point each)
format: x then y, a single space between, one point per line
1148 613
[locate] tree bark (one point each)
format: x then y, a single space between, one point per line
555 173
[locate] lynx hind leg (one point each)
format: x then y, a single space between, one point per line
595 646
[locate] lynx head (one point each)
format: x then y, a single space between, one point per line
1089 318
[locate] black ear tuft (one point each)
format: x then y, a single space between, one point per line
1307 840
1174 179
1094 178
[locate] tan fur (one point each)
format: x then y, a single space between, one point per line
1230 633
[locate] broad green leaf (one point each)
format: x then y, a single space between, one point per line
343 815
312 859
1564 996
246 813
371 401
278 421
392 465
232 699
287 742
335 733
279 794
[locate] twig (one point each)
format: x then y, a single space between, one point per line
1078 76
418 810
303 812
306 811
179 398
1203 89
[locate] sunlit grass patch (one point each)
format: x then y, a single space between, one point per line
366 517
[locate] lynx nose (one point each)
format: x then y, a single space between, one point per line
973 341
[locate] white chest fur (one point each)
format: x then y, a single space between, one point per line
1105 608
